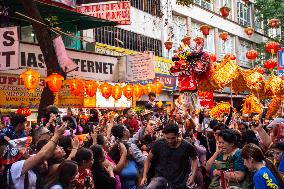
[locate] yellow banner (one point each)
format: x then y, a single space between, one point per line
14 94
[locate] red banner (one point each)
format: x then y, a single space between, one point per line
113 11
206 99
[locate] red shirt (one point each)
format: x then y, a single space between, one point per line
133 124
84 178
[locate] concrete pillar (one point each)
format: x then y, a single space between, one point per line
216 42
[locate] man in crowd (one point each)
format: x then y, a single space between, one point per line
16 129
171 156
131 123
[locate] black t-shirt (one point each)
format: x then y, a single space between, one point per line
173 163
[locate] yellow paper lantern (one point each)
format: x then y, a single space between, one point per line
91 88
76 86
128 91
159 87
116 92
148 88
31 79
54 82
106 89
138 90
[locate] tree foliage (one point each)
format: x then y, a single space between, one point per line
266 10
269 9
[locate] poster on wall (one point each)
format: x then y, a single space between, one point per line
9 48
117 11
140 67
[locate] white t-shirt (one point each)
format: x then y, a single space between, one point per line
56 187
19 179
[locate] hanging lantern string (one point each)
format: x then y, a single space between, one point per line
55 30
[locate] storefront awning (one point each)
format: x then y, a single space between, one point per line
65 17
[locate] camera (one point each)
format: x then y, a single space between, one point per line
253 124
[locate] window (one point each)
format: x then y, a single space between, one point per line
258 25
179 30
208 41
152 7
243 48
205 4
122 38
244 14
27 34
227 3
227 46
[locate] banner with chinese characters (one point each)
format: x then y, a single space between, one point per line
206 99
117 11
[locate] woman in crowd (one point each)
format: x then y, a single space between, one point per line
102 173
227 158
129 174
65 175
266 175
84 159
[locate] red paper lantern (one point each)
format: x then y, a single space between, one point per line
249 31
225 11
251 54
213 57
199 40
274 23
168 45
205 29
138 90
76 86
116 92
24 111
246 1
230 56
54 82
186 40
128 91
148 88
106 89
91 88
159 87
224 36
272 47
270 64
31 79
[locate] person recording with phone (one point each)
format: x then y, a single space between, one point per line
52 117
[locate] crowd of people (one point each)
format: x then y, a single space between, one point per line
152 150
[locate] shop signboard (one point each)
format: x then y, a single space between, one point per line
162 65
280 66
67 99
206 99
14 94
162 73
117 11
9 48
90 66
